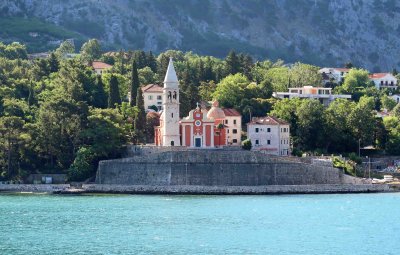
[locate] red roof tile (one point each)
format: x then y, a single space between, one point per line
100 65
231 112
152 88
377 75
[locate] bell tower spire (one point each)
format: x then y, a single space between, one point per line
170 116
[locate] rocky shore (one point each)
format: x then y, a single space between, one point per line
201 190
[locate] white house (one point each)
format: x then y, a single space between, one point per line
269 135
100 67
324 95
383 80
233 124
395 98
152 96
335 74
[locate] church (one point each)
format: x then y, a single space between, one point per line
203 128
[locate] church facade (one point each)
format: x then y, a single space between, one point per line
201 129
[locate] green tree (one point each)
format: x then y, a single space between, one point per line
113 95
134 84
362 121
65 48
232 64
388 103
356 79
231 90
140 119
91 50
11 129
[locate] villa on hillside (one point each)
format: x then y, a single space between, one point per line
269 135
336 75
384 80
324 95
99 67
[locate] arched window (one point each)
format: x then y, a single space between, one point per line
172 143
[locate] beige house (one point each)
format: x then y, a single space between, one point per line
269 135
233 124
100 67
152 95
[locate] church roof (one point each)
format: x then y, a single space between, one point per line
171 80
215 112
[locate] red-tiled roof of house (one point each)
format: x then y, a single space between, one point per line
269 120
152 88
231 112
342 69
377 75
100 65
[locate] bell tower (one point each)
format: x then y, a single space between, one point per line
170 128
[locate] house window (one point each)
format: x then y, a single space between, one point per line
269 130
234 121
256 130
158 97
234 140
227 131
226 121
381 82
172 115
257 142
268 141
159 102
234 131
150 97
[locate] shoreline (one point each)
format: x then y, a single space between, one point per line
199 190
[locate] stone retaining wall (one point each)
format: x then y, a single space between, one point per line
216 168
33 187
237 190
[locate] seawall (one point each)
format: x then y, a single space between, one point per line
216 168
201 190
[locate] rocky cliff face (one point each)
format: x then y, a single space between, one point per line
365 32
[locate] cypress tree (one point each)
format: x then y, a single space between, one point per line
113 97
100 96
134 84
140 120
152 62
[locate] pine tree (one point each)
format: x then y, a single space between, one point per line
232 63
54 64
134 84
113 97
152 62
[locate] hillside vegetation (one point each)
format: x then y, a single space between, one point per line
319 32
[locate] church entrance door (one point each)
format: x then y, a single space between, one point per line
197 142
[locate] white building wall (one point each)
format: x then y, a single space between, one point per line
152 98
272 139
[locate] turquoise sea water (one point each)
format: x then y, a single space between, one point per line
132 224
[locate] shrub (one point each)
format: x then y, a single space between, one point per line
246 145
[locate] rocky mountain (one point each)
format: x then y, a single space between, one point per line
321 32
